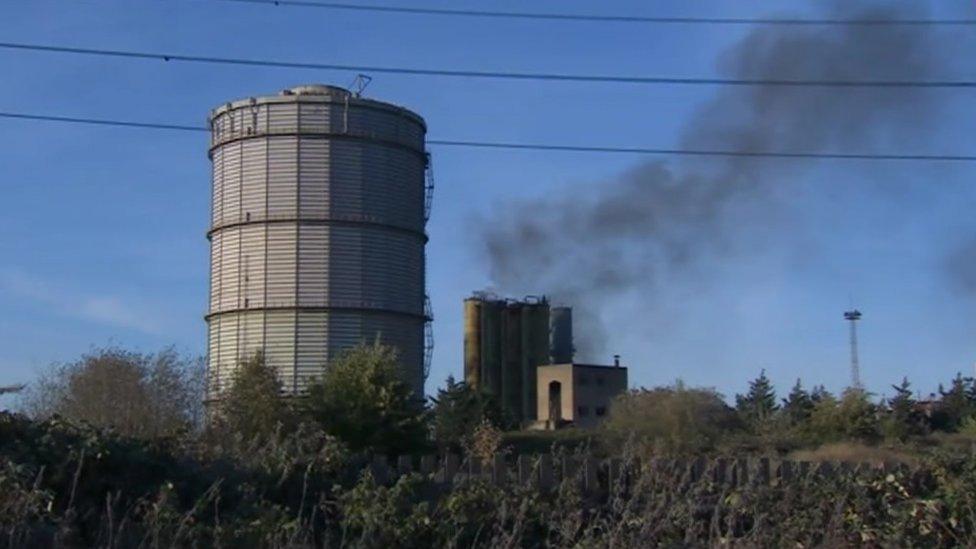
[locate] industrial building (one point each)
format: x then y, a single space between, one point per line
521 352
577 394
317 235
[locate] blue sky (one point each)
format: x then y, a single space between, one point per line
102 230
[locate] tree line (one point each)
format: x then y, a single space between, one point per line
361 401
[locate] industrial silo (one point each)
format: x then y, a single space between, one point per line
504 342
561 335
317 233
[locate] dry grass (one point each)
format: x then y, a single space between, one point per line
854 452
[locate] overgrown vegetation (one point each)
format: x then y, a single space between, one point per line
134 394
291 472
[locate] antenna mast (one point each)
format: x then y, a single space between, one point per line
853 316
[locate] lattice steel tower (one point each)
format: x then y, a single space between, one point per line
853 317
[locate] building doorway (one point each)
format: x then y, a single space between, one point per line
555 402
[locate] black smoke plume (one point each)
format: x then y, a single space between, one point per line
619 237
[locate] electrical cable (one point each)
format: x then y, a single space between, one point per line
495 74
543 146
551 16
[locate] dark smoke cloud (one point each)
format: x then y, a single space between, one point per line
617 238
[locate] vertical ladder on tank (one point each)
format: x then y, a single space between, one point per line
428 310
428 336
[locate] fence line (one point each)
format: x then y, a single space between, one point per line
600 476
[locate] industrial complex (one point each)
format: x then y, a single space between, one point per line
317 243
521 353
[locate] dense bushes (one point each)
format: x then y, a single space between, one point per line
293 472
363 400
66 486
680 419
674 419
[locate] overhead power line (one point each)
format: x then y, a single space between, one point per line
542 146
550 16
128 54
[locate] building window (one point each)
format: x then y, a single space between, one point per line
582 411
601 411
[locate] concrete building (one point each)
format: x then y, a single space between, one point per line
317 235
577 394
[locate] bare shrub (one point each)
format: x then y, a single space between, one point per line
140 395
485 442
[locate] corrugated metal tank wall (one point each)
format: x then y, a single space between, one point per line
317 233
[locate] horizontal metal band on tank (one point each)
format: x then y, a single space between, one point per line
318 308
344 136
420 235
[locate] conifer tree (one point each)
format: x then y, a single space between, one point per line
956 404
903 419
798 406
759 404
458 409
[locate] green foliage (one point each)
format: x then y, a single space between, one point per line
956 405
70 483
252 407
903 420
798 406
757 406
853 417
380 516
363 400
672 418
458 409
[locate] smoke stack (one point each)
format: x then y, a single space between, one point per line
616 361
561 349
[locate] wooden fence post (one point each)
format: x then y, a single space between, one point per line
404 465
720 470
591 475
428 464
741 472
380 469
451 464
499 470
545 472
785 472
762 471
525 468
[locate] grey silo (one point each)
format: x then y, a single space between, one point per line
561 335
317 233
